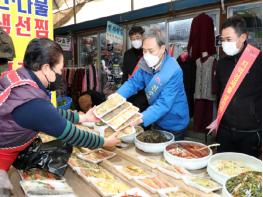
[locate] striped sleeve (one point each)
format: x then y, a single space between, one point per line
77 137
69 115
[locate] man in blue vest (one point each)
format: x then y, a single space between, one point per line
160 76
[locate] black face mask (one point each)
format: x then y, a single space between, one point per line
52 86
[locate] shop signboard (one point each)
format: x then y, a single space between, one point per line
114 33
24 20
64 42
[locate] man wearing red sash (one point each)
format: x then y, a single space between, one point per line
239 80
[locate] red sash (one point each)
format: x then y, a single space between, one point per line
135 69
241 69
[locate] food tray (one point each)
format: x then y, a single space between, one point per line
47 188
134 192
136 175
153 186
152 163
174 171
116 112
126 115
37 174
76 163
96 156
109 187
201 183
133 119
99 173
112 103
176 192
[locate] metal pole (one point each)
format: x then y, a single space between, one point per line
74 10
132 5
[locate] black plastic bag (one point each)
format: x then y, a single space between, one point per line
51 156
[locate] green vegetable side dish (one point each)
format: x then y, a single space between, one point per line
152 137
61 103
248 184
100 123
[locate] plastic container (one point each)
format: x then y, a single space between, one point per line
66 105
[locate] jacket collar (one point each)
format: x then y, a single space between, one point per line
143 65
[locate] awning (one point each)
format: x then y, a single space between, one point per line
135 15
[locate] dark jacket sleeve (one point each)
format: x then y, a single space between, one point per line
41 115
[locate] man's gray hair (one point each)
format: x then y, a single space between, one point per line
157 34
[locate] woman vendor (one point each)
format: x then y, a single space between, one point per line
25 106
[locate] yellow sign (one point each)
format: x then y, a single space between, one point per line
24 20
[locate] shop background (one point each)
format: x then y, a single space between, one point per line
90 45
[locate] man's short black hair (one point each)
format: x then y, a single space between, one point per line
136 30
237 23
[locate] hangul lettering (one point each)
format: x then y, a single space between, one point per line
5 23
41 28
24 11
5 5
23 25
41 7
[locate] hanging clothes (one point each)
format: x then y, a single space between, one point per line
204 97
98 81
204 78
84 83
171 50
91 77
189 74
77 84
202 37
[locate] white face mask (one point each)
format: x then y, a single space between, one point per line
137 43
151 60
230 48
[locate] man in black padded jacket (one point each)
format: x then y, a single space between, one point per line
241 127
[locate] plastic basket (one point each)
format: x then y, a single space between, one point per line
68 102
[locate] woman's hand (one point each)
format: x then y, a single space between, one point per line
88 116
112 140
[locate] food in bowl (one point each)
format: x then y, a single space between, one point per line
126 131
245 184
231 168
188 150
99 124
152 136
